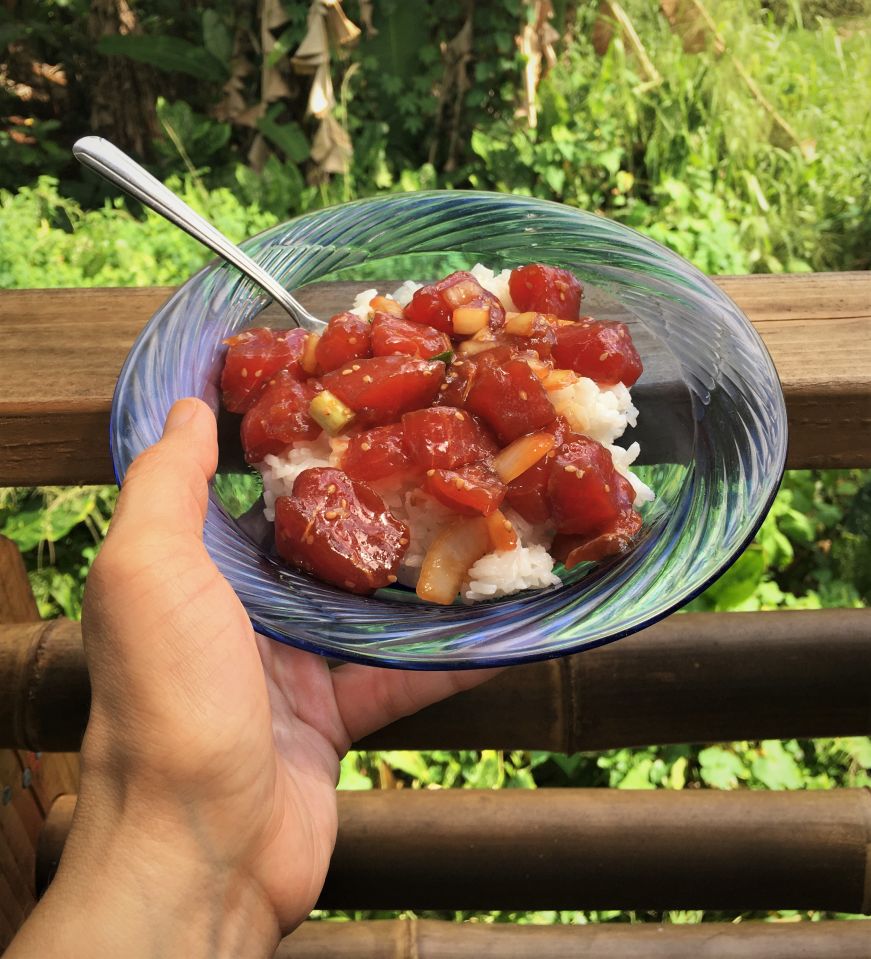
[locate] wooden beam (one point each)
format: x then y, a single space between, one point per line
698 677
434 939
62 350
589 849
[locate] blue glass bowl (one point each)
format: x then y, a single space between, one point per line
712 427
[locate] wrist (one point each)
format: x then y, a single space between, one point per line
135 884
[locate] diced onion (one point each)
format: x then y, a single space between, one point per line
520 455
502 534
519 324
558 379
384 304
453 553
470 347
307 361
461 293
539 367
470 319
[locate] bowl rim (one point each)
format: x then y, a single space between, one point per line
481 660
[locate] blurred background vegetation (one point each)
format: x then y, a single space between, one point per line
738 133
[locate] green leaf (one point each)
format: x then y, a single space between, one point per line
25 528
238 492
216 37
638 776
739 582
445 357
287 136
775 768
859 748
170 54
408 762
721 768
350 776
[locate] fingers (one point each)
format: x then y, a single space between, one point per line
166 489
369 698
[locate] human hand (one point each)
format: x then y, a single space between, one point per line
207 801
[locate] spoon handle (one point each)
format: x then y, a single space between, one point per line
114 165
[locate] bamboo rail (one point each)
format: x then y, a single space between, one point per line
62 350
698 677
432 939
587 849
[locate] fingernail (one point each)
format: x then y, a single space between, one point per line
180 415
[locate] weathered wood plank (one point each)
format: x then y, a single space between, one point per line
588 849
63 350
723 676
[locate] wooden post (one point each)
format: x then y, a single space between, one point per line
28 782
591 849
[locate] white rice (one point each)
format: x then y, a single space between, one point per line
495 283
280 472
600 412
623 459
508 571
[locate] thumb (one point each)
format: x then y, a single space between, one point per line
166 488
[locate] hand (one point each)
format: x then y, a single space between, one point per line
210 761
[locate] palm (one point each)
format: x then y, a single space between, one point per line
242 732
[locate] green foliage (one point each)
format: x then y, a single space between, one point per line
59 530
811 552
47 240
172 54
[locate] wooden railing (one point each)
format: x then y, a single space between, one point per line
692 678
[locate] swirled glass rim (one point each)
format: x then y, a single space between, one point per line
726 492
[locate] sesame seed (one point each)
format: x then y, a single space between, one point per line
367 378
391 579
355 367
562 297
458 482
365 447
352 339
506 524
349 584
330 514
459 415
580 473
347 372
443 387
607 488
524 395
604 356
258 373
331 488
244 372
430 472
403 541
569 468
344 504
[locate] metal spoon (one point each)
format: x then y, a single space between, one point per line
114 165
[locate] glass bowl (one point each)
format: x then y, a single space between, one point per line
712 424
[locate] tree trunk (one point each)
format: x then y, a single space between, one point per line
122 92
